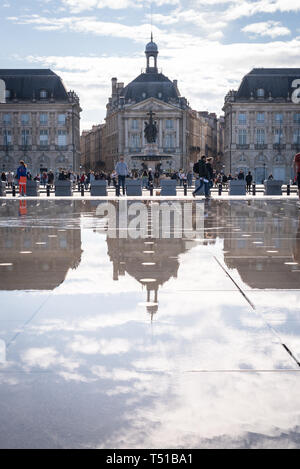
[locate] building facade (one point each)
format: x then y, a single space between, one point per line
262 124
128 109
91 148
39 122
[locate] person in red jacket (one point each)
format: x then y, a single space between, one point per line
297 171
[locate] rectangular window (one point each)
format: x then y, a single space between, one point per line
61 119
25 137
296 136
278 118
169 123
242 118
297 117
260 136
169 141
134 124
278 134
135 141
25 119
43 137
62 138
7 137
242 137
43 119
7 119
260 117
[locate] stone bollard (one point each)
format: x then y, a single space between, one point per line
151 188
185 188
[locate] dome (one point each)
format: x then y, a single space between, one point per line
151 85
151 47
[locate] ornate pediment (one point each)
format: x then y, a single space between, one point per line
154 105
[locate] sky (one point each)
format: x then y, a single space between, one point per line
207 45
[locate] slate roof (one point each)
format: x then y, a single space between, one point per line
151 84
24 83
278 81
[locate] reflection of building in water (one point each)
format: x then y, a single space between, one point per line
150 264
271 227
152 261
40 256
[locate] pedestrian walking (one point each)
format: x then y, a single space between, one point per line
249 179
10 179
201 170
144 178
189 177
241 175
122 171
156 178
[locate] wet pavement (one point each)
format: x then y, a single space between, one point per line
146 324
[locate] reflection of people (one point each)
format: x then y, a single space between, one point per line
297 171
23 207
22 178
297 245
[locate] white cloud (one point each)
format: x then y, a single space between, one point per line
250 8
205 70
77 6
268 28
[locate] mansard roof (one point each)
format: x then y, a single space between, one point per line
151 85
274 81
24 84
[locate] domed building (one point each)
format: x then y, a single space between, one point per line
151 95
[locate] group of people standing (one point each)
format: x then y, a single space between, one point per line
203 171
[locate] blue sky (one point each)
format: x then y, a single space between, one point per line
208 45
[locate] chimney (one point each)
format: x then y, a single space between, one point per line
114 85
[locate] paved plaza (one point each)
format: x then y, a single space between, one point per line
150 323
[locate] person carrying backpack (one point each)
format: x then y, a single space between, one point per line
202 171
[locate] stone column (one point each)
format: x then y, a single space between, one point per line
160 143
126 133
177 133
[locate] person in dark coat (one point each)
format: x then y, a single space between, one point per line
249 179
201 170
